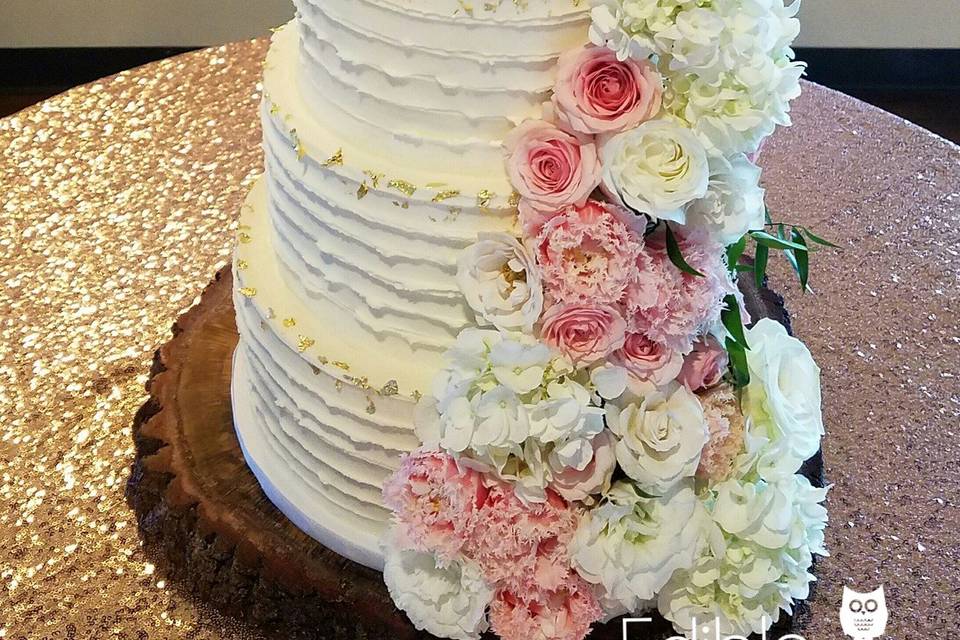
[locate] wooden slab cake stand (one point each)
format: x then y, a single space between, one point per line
215 533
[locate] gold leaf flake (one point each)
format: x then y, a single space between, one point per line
514 200
289 322
304 343
315 369
244 237
274 109
446 195
371 408
341 365
249 292
417 396
338 385
362 191
402 186
335 160
242 265
484 198
390 389
374 177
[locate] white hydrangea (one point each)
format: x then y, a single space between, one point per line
744 578
781 403
500 280
733 204
511 406
727 65
448 602
632 543
660 437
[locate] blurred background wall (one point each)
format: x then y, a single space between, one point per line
189 23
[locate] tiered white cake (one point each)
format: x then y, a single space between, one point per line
383 122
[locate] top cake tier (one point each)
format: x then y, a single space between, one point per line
432 85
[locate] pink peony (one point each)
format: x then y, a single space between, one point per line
434 502
550 168
648 361
726 425
677 307
563 613
584 334
704 366
596 93
515 542
588 254
574 485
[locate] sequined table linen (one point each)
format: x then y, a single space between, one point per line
119 201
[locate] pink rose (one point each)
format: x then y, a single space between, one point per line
564 613
588 254
576 485
549 167
585 334
434 502
704 366
596 93
649 361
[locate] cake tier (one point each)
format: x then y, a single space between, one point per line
321 438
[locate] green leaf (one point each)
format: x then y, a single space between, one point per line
817 239
732 321
676 255
766 215
735 251
773 242
803 260
738 363
760 259
744 268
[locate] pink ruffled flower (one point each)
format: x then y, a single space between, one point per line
588 254
596 93
681 306
515 542
647 361
578 485
550 168
434 502
564 613
727 428
704 366
584 334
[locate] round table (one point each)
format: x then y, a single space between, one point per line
119 202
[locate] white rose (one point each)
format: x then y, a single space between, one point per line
657 169
783 397
661 438
499 278
733 204
448 603
632 543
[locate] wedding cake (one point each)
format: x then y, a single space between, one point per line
491 339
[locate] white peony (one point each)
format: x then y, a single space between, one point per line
448 603
501 282
740 583
660 437
657 169
633 543
782 401
733 205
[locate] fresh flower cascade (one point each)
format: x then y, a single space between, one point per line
610 437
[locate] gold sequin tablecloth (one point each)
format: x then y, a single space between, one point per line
119 201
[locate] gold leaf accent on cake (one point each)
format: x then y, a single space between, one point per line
274 109
335 160
362 190
316 370
446 195
514 200
402 186
244 237
371 407
242 265
390 389
341 365
324 360
484 197
374 177
417 396
402 205
466 7
304 343
338 385
298 145
248 292
289 322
